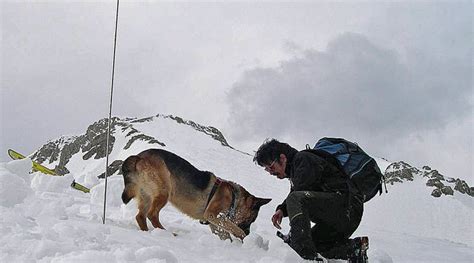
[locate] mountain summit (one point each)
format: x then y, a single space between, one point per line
148 132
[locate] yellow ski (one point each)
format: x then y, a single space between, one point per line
36 166
40 168
80 187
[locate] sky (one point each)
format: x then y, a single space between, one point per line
395 77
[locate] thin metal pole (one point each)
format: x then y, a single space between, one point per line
110 111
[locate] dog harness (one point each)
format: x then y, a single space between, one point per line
231 212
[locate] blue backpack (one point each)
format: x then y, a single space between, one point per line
361 169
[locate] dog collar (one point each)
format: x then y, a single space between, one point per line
213 191
233 206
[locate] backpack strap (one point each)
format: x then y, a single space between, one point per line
328 157
333 160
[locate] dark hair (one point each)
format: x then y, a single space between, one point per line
270 150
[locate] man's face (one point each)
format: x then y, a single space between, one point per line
277 167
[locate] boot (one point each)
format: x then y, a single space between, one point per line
287 239
359 245
335 250
300 238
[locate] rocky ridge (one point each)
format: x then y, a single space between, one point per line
92 143
399 172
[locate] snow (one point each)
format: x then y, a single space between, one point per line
43 219
47 221
14 189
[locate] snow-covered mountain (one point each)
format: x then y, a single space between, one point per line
124 133
129 131
424 217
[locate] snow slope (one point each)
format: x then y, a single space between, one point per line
45 220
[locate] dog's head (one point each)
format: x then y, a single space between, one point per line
247 209
129 171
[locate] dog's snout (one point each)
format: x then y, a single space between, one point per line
125 198
247 231
245 228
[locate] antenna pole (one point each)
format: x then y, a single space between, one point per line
110 112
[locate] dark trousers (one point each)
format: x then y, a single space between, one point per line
336 217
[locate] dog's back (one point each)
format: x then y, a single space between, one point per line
182 171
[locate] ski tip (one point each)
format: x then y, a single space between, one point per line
15 155
79 187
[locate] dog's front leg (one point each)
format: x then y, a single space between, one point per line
227 225
143 205
220 232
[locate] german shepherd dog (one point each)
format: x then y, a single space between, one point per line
156 176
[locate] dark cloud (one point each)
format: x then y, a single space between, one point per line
354 89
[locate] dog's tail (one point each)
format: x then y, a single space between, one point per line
129 168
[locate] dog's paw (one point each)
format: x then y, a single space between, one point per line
240 234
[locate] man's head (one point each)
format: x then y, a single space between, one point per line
273 156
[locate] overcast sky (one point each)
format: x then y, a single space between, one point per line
394 77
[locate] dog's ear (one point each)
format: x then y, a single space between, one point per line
258 202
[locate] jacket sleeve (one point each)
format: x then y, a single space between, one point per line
307 172
282 206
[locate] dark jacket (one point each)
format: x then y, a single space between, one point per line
309 172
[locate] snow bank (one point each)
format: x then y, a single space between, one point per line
14 182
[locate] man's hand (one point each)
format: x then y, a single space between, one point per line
276 218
